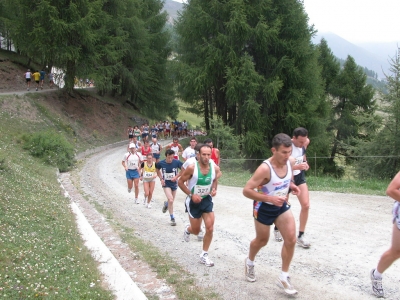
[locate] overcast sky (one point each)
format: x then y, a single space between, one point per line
356 20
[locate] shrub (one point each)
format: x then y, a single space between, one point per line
52 147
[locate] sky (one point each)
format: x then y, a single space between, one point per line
356 20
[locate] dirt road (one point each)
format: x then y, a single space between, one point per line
348 234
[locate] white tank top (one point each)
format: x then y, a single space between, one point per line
204 188
298 154
175 149
276 186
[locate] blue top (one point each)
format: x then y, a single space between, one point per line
42 74
169 170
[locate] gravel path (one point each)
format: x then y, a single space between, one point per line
348 234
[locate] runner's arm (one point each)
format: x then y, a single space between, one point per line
186 175
393 188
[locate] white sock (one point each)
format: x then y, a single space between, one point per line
284 276
250 262
377 275
203 252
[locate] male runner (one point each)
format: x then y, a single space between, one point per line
268 187
156 149
36 77
28 76
300 142
167 171
190 150
215 151
202 177
42 75
391 255
131 162
176 147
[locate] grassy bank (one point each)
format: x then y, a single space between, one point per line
42 254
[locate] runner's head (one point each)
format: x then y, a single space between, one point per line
209 142
300 137
146 143
169 155
175 140
193 142
281 148
132 147
149 157
204 154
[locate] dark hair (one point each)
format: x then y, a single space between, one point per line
300 131
197 147
281 139
169 152
175 139
193 139
149 154
205 146
207 141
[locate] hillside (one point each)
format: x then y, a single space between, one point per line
88 119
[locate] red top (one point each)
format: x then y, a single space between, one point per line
145 152
214 156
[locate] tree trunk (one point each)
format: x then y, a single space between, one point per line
69 76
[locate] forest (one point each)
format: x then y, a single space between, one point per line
248 67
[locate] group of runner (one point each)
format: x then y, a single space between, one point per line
162 130
38 77
268 188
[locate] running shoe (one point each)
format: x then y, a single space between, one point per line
186 234
278 236
206 261
302 242
144 201
377 287
148 205
173 223
200 236
137 201
249 271
129 190
165 207
286 285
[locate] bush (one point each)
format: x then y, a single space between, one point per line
52 147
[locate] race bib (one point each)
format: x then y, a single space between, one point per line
202 190
298 160
132 164
148 174
169 176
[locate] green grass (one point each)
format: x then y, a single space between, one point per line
192 119
42 254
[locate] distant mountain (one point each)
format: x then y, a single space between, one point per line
373 60
172 7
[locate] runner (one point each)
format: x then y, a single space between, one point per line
167 129
137 143
190 150
136 132
272 179
167 171
148 176
154 131
161 130
129 133
300 142
51 79
36 77
215 152
145 131
131 163
42 75
176 147
202 177
391 255
184 127
156 150
145 150
28 76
